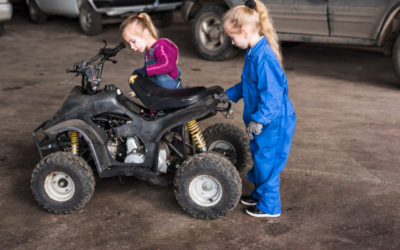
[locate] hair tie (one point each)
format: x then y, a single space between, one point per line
251 4
140 16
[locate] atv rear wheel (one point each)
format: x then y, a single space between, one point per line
207 186
230 141
62 183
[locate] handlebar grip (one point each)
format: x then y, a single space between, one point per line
120 47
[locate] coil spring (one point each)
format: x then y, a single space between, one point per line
74 142
197 135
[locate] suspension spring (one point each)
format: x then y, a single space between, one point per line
74 142
197 135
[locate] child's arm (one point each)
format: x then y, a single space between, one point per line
235 93
165 62
270 91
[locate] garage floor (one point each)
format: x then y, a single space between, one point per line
340 188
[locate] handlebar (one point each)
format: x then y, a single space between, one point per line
108 52
91 74
105 53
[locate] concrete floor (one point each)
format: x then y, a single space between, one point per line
340 188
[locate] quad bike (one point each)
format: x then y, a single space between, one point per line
159 141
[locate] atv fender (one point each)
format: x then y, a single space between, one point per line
96 144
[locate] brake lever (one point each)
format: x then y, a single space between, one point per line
229 111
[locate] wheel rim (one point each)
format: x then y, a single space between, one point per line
211 34
205 190
86 19
225 148
59 186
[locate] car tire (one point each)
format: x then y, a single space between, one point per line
90 21
230 141
62 183
163 19
207 186
396 57
35 13
208 36
1 28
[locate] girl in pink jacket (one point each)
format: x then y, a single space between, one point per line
161 56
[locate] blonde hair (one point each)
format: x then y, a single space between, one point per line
143 20
259 18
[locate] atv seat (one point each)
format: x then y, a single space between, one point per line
158 98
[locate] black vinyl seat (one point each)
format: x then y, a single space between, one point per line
155 97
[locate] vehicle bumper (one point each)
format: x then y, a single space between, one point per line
5 11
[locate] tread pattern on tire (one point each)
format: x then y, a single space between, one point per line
214 162
63 159
227 130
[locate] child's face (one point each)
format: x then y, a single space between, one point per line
135 41
239 37
239 40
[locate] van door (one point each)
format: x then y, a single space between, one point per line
356 19
308 17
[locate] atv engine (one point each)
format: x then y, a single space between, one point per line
132 150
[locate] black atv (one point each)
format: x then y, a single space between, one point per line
159 141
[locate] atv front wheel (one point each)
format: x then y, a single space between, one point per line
230 141
207 186
62 183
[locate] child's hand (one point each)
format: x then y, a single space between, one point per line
254 128
132 79
221 97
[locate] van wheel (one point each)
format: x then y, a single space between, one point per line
207 186
163 19
209 38
62 183
396 57
89 20
36 15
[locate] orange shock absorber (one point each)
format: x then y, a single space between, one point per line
197 136
74 142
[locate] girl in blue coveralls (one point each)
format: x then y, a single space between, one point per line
268 113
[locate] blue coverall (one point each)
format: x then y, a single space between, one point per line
264 90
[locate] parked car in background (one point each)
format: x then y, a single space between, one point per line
5 13
93 14
365 23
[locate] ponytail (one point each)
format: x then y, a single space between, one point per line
267 29
143 20
256 14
